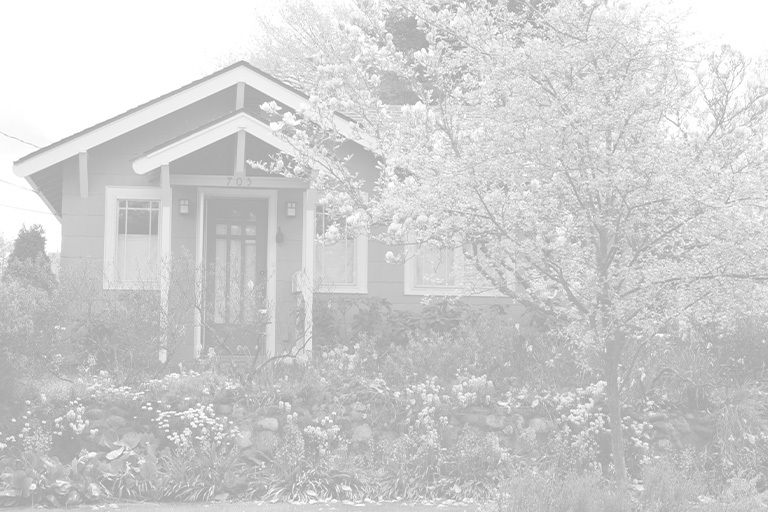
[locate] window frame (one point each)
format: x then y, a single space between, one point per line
456 290
111 198
361 265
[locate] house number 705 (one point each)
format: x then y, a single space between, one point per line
239 181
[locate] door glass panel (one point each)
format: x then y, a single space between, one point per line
235 230
235 280
250 280
221 229
220 283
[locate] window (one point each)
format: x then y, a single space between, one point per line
444 271
341 266
132 238
438 267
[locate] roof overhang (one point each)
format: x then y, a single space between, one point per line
171 102
206 135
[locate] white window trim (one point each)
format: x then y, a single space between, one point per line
361 268
112 196
463 290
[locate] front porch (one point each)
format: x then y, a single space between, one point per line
250 234
252 251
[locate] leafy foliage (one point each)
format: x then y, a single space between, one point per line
28 261
612 207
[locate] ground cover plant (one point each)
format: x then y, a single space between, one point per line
357 423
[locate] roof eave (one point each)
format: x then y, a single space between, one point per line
168 103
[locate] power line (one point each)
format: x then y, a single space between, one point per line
25 209
20 140
18 186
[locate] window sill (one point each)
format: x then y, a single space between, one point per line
132 285
342 289
450 292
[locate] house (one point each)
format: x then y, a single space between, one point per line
170 178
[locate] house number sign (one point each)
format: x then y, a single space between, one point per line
239 181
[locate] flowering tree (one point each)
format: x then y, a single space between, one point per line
591 163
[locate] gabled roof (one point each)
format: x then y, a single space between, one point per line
208 134
168 103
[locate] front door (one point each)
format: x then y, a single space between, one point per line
236 310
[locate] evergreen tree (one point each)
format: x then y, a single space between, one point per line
28 261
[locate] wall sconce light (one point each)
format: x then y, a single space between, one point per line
290 209
183 206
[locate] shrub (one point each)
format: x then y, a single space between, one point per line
27 478
343 321
533 491
579 440
741 441
202 473
670 488
27 331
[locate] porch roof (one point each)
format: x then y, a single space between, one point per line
208 134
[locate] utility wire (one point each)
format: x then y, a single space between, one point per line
18 186
20 140
25 209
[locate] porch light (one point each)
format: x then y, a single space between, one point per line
183 206
290 209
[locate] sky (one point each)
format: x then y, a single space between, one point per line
65 66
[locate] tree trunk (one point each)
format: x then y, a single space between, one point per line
614 415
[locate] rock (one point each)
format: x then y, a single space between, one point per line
223 409
244 439
265 441
345 424
478 409
526 412
681 425
494 422
515 421
451 435
362 434
239 413
657 416
95 414
115 421
118 411
474 419
272 410
99 425
270 424
665 428
696 440
540 425
705 431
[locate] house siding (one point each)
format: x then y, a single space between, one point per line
110 164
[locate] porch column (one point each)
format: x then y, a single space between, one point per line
166 203
82 173
307 283
199 266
